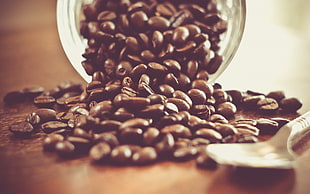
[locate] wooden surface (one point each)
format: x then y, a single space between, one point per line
31 55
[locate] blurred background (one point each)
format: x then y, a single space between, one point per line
276 42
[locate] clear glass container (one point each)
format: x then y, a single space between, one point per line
69 14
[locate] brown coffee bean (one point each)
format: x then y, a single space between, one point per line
267 126
51 126
180 103
79 132
267 105
247 129
204 86
158 23
21 128
185 153
165 9
107 137
65 149
14 97
290 104
165 145
135 103
101 108
226 109
106 16
100 152
177 130
131 136
277 95
144 156
44 101
180 35
250 102
157 99
210 134
135 123
226 129
151 135
197 96
166 90
138 19
152 111
46 114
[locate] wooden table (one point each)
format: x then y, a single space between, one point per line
31 55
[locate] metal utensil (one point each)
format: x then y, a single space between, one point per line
277 152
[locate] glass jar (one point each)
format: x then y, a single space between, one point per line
69 15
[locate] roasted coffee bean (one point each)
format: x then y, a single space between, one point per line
173 65
70 86
131 136
204 86
145 155
177 130
79 132
180 103
267 105
244 128
180 18
50 141
192 68
172 80
51 126
171 108
165 145
32 92
290 105
166 90
197 96
135 103
198 141
121 154
81 145
180 35
138 19
202 74
226 129
34 119
46 114
151 135
21 129
218 118
250 102
152 111
166 9
135 123
158 23
201 110
100 152
182 95
65 149
101 108
226 109
157 99
185 153
122 114
106 16
267 126
236 96
209 134
220 96
44 101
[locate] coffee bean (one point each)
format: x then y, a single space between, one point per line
34 119
166 9
180 35
46 114
100 152
151 135
106 16
177 130
267 105
290 104
32 92
131 136
44 101
226 109
165 145
51 126
267 126
107 137
210 134
197 96
144 156
14 97
21 129
158 23
135 123
277 95
204 86
185 153
65 149
100 108
138 19
226 129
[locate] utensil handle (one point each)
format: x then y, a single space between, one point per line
298 140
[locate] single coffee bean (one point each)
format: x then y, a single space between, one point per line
152 111
100 152
158 23
166 90
131 136
165 145
226 129
250 102
210 134
267 105
138 19
204 86
151 136
135 103
218 118
182 95
32 92
44 101
290 105
226 109
21 129
166 9
106 16
180 103
65 149
267 126
81 145
197 96
46 114
185 153
100 108
34 119
177 130
51 126
277 95
180 35
79 132
244 128
122 114
135 123
145 155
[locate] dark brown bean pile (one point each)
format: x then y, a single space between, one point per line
116 123
149 98
178 40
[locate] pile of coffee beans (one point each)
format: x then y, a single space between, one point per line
176 41
115 123
149 98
